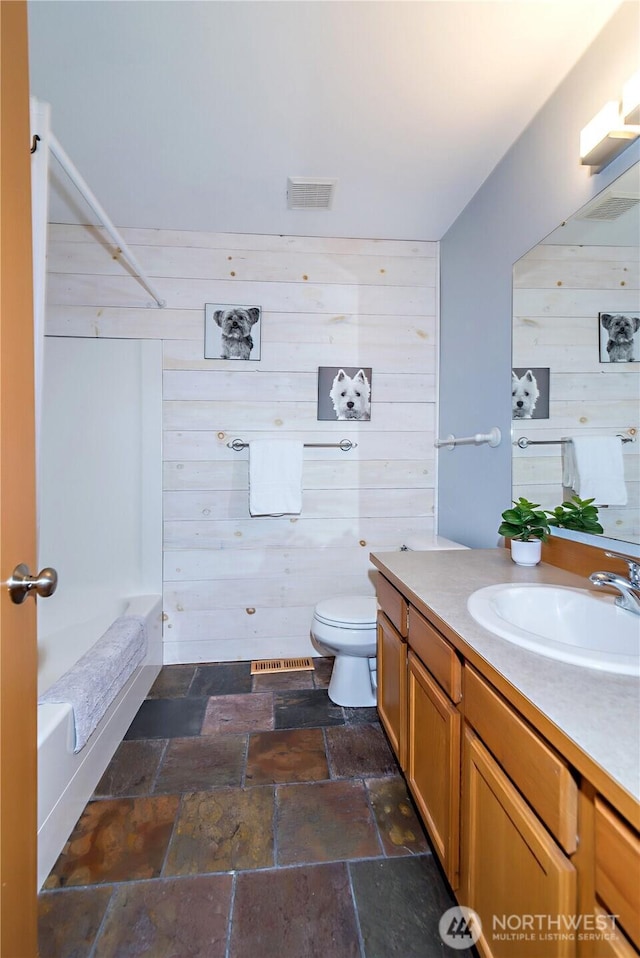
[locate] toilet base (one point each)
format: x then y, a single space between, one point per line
351 682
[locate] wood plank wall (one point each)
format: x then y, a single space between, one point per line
237 587
558 293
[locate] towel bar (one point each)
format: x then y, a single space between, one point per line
523 442
345 444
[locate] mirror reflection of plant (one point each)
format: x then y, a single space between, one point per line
576 514
526 521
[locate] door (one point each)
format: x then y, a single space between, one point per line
513 873
433 763
392 686
18 650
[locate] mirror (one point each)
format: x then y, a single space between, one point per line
564 290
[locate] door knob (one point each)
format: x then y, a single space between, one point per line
22 583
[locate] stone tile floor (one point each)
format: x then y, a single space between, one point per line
247 817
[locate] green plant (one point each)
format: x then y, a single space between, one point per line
577 514
524 522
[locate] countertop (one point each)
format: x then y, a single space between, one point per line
591 717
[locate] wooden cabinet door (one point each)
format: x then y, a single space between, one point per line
512 872
433 763
617 868
392 686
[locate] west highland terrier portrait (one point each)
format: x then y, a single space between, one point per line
530 392
621 330
524 395
350 396
235 337
344 393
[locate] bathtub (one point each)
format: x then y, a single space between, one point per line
66 780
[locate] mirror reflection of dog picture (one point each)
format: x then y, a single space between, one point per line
231 332
530 393
344 393
619 338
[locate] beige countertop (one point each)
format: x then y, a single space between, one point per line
592 717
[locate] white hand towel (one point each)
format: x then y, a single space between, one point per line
275 477
595 466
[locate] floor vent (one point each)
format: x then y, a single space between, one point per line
281 665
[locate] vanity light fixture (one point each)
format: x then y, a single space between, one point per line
613 129
631 100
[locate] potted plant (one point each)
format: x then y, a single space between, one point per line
527 526
576 514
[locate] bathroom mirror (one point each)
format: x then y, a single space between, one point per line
587 267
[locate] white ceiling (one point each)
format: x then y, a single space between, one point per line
191 115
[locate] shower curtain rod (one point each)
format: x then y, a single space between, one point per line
82 185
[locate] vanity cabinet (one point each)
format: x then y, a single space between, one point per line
391 666
519 829
525 834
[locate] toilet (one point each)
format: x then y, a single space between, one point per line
345 627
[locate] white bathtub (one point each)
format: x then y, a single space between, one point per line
66 780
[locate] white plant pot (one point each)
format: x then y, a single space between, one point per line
526 553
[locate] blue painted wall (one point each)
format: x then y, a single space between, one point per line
537 185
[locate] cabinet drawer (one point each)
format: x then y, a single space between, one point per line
542 777
618 868
392 603
437 654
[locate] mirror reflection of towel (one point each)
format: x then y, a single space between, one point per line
275 477
594 468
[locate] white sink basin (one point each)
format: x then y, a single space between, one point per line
572 625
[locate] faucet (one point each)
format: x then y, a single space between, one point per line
629 589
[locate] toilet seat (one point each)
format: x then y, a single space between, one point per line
353 612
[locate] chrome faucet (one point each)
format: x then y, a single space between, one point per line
629 589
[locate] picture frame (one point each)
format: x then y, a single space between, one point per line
232 332
344 393
619 337
530 392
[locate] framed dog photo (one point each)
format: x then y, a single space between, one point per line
344 393
530 392
232 332
619 338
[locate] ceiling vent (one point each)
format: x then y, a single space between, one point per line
304 193
611 206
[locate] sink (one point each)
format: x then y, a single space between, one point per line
572 625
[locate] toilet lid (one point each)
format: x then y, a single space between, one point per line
355 611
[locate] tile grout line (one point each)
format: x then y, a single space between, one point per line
192 680
232 902
110 905
374 817
165 857
274 824
356 911
152 788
